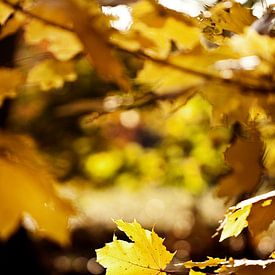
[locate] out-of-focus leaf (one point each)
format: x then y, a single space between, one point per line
238 267
208 263
272 255
244 157
10 81
226 16
146 255
91 31
251 43
165 79
162 31
12 25
5 12
63 44
27 188
51 74
257 213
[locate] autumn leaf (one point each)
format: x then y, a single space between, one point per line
257 213
244 157
223 18
161 78
146 255
27 188
208 263
235 222
93 34
248 267
5 12
63 44
51 74
162 31
10 82
12 25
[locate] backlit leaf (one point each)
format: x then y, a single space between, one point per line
229 16
91 31
257 213
63 44
235 222
208 263
51 74
5 12
162 31
146 255
27 188
12 25
164 79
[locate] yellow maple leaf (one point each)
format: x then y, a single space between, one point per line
63 44
51 74
146 255
26 188
10 81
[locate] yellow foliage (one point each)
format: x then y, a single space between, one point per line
146 255
235 222
5 12
230 16
257 213
27 188
157 31
63 44
163 79
51 74
10 81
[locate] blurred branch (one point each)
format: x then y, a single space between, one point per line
96 106
262 87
